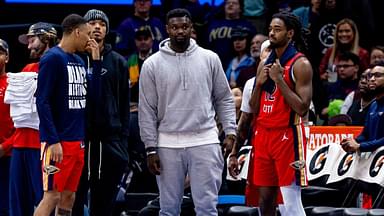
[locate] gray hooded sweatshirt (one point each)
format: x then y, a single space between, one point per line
182 92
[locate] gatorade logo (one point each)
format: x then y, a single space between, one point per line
318 160
345 164
377 164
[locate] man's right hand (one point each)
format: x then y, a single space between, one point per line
153 163
56 152
262 75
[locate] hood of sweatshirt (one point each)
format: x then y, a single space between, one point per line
182 58
164 47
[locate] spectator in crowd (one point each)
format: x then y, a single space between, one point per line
377 55
141 17
142 180
372 136
357 103
361 11
284 168
177 119
348 72
6 131
107 118
250 71
60 99
26 188
346 39
308 14
237 96
241 45
256 43
322 30
197 11
347 69
255 11
340 120
219 31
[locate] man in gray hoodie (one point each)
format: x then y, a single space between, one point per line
182 88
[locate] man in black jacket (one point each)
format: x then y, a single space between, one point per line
107 120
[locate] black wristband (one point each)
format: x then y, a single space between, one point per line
151 149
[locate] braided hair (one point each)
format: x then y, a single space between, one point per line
300 35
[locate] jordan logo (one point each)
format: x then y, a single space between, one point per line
284 137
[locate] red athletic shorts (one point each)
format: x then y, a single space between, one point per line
65 175
279 156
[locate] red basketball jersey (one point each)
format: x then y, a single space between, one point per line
274 110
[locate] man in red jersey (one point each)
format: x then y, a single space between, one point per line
25 174
281 97
6 131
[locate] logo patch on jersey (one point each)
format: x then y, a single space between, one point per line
298 165
284 137
50 169
103 71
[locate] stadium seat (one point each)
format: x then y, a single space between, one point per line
355 212
326 211
376 212
243 211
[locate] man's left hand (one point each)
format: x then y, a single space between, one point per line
93 49
276 71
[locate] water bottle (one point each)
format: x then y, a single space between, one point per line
332 73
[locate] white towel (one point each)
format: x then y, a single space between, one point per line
20 95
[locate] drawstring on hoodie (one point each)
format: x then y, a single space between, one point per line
185 71
100 158
89 160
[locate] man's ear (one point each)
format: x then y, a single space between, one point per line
166 27
7 58
290 33
77 32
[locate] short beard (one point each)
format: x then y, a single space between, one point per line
274 45
36 53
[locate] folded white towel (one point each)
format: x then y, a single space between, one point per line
20 95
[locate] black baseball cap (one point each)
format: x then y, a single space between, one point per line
143 31
38 29
240 33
